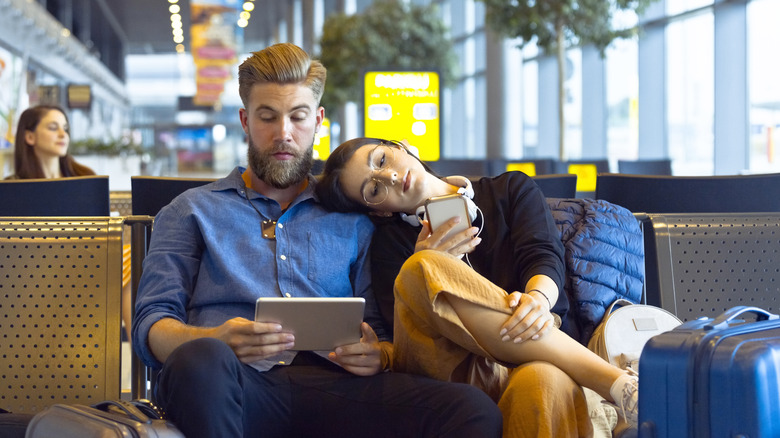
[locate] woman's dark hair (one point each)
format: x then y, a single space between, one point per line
329 190
26 164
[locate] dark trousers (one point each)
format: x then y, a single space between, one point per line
207 392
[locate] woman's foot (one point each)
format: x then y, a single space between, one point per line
625 393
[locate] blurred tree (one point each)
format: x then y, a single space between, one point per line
112 148
388 34
556 25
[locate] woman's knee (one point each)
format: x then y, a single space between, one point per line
426 257
422 266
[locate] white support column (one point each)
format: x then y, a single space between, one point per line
513 100
496 95
732 120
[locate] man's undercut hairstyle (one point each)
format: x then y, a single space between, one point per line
283 63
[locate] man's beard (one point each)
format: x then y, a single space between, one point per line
280 174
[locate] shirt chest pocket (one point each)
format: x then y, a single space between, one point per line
330 258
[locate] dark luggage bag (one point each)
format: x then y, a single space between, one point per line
113 418
713 378
13 425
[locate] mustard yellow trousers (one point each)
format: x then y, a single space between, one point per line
537 399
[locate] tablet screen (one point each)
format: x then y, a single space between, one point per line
317 323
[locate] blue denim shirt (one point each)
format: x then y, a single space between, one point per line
208 261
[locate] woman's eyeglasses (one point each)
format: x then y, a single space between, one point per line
380 158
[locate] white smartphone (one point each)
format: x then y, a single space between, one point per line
440 209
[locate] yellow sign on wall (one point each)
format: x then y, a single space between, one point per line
322 141
404 105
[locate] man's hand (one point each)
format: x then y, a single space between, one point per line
252 341
531 318
457 245
363 358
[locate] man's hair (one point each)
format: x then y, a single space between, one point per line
283 63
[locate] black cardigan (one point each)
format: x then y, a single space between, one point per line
519 240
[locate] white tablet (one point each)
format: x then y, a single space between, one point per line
317 323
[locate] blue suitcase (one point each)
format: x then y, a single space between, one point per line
713 378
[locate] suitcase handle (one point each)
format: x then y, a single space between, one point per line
728 316
128 408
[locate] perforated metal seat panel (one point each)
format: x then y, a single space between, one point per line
707 263
60 294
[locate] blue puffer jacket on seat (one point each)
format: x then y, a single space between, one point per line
604 259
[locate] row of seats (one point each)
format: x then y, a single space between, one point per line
90 196
691 194
547 166
586 170
61 283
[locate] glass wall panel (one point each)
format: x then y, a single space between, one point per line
530 108
764 86
622 100
690 94
572 104
479 55
457 18
476 147
674 7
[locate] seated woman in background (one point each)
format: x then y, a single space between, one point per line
41 151
41 145
481 324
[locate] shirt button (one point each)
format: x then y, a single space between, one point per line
283 257
280 225
288 295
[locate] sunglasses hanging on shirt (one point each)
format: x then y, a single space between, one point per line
269 229
267 226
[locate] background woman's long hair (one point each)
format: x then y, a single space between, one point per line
26 164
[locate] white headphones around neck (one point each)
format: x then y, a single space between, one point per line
464 189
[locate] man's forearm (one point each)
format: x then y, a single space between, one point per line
167 334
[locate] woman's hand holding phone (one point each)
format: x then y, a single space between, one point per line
457 244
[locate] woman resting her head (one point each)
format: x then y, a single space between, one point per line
41 145
476 322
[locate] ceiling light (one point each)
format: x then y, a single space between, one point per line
174 9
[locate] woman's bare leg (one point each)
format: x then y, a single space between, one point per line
555 347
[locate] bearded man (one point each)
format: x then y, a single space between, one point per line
260 232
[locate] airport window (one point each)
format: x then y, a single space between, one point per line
678 6
573 104
622 100
764 88
690 94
